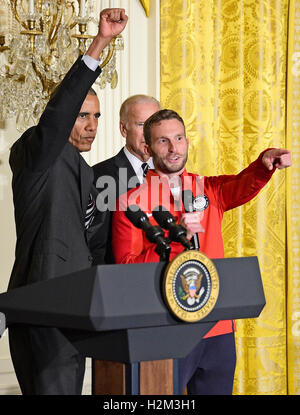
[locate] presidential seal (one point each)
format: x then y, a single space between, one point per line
191 286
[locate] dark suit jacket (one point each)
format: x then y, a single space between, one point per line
111 167
51 184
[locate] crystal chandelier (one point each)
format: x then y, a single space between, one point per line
42 40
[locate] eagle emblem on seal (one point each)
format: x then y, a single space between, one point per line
191 284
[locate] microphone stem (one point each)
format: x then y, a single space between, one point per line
163 251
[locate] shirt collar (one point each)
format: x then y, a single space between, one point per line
137 163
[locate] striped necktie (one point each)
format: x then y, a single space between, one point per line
90 210
145 168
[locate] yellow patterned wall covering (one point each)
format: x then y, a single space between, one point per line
293 197
223 68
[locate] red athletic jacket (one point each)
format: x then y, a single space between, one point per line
215 195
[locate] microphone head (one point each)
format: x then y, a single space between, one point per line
167 221
136 216
187 199
163 217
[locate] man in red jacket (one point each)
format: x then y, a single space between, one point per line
209 368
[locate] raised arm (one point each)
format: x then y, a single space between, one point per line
112 22
235 190
47 139
277 157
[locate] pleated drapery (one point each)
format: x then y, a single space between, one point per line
224 68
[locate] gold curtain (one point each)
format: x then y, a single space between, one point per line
293 200
223 68
146 5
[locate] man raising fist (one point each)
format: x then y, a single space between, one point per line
53 199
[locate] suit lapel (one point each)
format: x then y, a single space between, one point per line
86 180
121 161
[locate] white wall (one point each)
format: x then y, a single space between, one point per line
138 69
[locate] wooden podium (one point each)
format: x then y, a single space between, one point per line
152 378
116 313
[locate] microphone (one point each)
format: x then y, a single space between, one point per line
187 199
154 234
166 220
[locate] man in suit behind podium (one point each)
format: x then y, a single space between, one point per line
129 167
52 187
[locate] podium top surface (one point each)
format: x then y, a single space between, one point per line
114 297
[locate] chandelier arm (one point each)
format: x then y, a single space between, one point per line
109 54
48 86
72 25
39 75
13 5
55 27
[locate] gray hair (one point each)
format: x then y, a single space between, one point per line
136 99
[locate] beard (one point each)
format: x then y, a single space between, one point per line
166 167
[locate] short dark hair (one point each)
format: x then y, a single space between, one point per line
156 118
91 91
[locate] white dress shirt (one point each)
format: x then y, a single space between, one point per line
91 62
137 164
